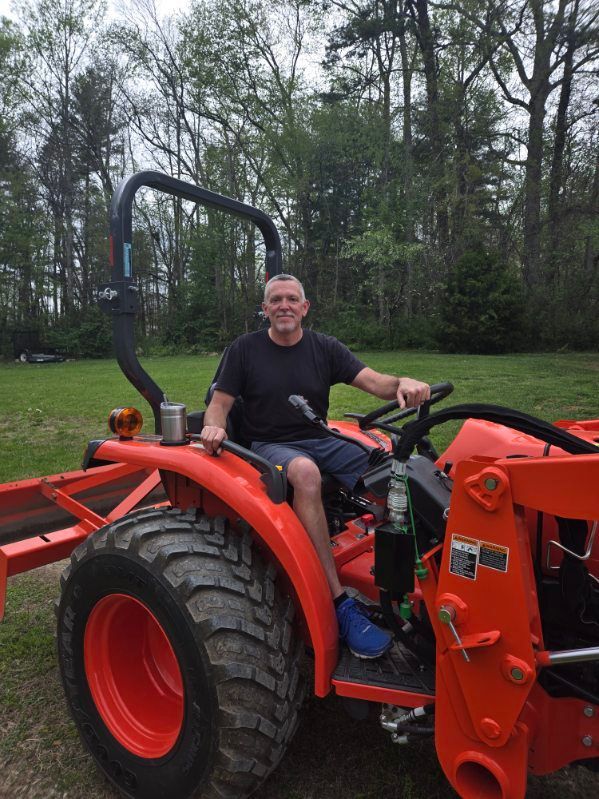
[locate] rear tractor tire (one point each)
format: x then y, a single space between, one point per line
178 657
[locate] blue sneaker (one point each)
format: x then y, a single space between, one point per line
364 639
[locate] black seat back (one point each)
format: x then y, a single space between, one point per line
195 420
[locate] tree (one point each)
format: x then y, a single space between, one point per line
432 130
526 39
483 308
22 218
58 36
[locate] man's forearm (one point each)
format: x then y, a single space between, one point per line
406 390
215 416
385 387
378 384
215 422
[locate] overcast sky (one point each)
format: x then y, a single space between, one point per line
8 7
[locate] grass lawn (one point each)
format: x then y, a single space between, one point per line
49 411
47 414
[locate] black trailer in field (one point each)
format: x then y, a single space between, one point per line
28 348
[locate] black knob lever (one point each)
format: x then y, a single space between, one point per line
302 406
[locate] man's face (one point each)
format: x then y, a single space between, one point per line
284 306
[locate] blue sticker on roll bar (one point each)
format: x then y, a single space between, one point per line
127 259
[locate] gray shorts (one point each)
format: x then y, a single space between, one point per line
346 462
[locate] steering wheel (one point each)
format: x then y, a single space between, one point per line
378 417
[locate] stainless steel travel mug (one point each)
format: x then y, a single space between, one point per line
173 418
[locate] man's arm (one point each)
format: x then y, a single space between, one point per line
215 421
409 393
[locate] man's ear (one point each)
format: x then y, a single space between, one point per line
306 307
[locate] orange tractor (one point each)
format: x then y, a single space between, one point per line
193 589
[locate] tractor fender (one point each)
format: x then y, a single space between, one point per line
237 484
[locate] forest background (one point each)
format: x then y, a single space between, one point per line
433 168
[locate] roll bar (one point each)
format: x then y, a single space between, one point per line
119 298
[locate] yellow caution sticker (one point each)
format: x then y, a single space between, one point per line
494 556
463 559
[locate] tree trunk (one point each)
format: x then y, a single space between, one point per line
539 87
591 255
556 179
408 164
532 188
427 46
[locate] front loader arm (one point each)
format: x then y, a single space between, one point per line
490 709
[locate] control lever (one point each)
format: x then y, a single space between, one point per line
302 406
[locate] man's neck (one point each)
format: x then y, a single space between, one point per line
286 340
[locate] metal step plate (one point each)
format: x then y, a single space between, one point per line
398 669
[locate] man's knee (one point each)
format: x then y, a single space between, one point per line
304 475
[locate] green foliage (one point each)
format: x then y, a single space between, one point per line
357 327
380 167
483 306
418 332
88 335
379 247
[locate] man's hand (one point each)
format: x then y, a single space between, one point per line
215 421
412 393
408 392
212 438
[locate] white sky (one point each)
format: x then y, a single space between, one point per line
8 8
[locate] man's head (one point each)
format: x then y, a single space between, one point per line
283 278
285 304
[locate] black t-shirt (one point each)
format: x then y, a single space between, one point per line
265 374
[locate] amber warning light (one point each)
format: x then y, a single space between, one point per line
125 422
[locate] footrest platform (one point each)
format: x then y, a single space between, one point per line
391 678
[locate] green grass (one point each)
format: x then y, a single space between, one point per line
49 411
47 414
40 754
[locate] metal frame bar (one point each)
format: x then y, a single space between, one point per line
119 297
575 555
39 550
135 497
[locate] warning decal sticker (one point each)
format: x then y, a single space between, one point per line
494 556
464 556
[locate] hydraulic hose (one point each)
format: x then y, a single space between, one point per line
413 431
400 634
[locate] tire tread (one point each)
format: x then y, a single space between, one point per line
241 620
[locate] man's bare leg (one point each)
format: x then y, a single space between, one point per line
304 476
363 637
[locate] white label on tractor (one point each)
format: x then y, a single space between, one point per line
494 556
464 556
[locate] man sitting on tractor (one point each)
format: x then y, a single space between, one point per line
265 368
